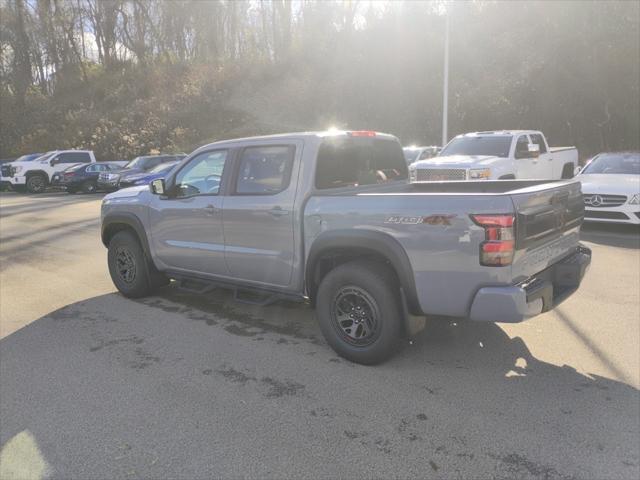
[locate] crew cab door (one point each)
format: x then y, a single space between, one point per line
258 213
545 160
186 224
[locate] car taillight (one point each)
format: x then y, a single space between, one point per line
499 245
69 174
362 133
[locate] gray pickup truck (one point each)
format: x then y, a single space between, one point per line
330 218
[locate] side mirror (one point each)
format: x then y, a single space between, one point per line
54 161
534 150
577 170
157 186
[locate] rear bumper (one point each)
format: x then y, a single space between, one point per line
540 293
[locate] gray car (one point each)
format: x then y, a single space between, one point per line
330 218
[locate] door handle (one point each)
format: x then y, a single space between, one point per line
210 210
278 212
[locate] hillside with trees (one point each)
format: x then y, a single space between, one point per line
129 77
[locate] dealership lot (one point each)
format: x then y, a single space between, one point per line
93 385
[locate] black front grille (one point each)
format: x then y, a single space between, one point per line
6 170
437 174
606 215
596 200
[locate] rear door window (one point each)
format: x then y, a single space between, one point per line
351 162
264 170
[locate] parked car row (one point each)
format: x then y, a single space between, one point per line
77 170
140 170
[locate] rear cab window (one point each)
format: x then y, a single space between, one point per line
356 161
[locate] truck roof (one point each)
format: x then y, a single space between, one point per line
302 136
498 132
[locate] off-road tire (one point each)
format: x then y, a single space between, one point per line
36 183
372 284
131 272
89 186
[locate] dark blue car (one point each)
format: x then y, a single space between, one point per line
145 178
83 177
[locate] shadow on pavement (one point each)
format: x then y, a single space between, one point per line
184 386
40 203
613 235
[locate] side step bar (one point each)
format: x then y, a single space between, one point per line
241 294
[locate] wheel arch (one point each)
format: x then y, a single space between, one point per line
31 173
114 223
336 247
568 170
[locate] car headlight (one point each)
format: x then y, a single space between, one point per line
635 200
479 174
16 169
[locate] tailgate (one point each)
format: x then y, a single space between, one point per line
548 220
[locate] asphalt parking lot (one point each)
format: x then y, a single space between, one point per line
93 385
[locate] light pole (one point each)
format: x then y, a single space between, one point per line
445 93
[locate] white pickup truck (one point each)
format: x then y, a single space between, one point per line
499 155
34 176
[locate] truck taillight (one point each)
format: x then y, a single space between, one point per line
362 133
499 245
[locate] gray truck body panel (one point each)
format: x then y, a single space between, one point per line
425 231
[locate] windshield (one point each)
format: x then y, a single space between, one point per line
137 162
46 156
496 146
615 163
163 167
28 157
410 155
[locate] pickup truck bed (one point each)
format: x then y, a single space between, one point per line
332 219
547 219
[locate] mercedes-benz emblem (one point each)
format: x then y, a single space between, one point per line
595 201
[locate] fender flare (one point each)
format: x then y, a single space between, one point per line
30 173
129 220
365 241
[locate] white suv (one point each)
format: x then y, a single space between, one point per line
35 176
